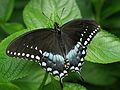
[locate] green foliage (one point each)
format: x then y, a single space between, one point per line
107 13
69 86
93 72
12 27
54 10
6 8
105 48
19 74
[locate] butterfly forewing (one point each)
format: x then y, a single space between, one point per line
81 30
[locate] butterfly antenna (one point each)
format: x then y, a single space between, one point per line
47 16
62 12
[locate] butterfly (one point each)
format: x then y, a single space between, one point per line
58 50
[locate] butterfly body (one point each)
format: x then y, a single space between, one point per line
59 49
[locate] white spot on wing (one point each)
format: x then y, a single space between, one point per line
18 54
32 56
49 69
40 51
55 72
85 43
15 53
78 45
82 59
23 54
44 54
90 36
8 51
43 64
72 68
96 30
65 72
31 47
61 75
27 55
79 64
36 48
88 39
11 52
83 52
80 39
37 57
47 54
91 33
76 68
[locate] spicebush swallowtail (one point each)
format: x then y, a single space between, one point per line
59 49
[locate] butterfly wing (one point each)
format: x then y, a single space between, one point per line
41 46
79 34
54 51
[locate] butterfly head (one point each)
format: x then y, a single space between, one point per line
57 27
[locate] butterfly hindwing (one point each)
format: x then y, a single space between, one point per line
80 33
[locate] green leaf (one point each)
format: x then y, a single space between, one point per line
85 5
73 77
3 34
98 74
107 14
54 85
17 15
32 81
110 8
97 7
113 26
73 86
12 68
6 8
105 48
12 27
8 86
55 10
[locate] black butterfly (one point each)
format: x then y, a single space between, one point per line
59 49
